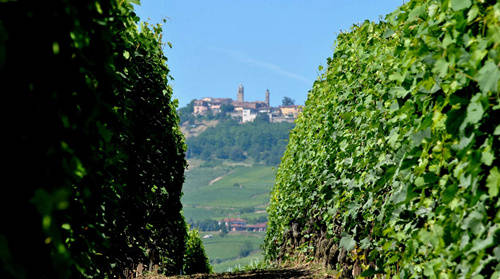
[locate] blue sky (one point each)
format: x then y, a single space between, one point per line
263 44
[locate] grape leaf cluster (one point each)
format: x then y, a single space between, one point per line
394 160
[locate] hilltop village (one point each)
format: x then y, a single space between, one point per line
246 111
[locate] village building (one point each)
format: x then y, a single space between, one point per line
246 111
200 107
248 115
213 105
290 111
228 222
238 224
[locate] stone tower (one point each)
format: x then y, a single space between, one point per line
267 97
241 94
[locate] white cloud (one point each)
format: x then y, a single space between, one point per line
242 57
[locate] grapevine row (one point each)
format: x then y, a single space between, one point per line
392 167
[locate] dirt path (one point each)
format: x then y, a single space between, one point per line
280 273
216 179
219 178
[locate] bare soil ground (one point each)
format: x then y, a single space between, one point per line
278 273
198 128
219 178
294 273
299 272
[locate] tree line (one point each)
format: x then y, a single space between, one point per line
259 140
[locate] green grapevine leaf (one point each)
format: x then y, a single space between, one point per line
137 2
497 131
441 67
473 12
458 5
474 111
488 77
347 242
493 182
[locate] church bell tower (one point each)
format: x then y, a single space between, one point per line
267 97
241 94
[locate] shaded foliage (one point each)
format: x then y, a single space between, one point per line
195 259
98 158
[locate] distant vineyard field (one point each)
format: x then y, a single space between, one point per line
240 191
235 248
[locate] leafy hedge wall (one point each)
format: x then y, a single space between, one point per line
393 166
195 259
96 161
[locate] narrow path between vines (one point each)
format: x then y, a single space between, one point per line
279 273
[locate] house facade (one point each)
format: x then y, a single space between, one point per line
246 111
238 224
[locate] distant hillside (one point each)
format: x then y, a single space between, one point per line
260 140
197 127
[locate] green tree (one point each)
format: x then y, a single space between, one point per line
287 101
262 117
226 108
186 113
223 230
